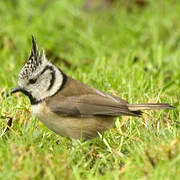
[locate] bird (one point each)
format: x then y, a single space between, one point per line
67 106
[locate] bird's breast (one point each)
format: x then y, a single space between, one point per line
74 127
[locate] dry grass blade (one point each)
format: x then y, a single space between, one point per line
8 125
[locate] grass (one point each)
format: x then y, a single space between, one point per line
132 52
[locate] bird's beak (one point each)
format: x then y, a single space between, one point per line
15 90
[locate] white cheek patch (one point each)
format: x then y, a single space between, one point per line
49 82
59 78
58 81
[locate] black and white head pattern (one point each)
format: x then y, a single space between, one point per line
34 61
39 78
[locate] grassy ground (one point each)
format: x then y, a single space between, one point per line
130 51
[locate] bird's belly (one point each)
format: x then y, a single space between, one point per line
74 127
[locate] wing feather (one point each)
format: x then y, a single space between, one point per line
77 99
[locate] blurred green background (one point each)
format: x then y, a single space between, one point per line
129 48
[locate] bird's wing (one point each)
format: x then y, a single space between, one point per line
88 105
77 99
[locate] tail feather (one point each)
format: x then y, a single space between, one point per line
138 107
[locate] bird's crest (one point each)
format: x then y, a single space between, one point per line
35 60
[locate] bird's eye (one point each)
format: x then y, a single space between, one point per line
32 81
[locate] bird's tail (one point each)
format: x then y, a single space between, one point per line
153 106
